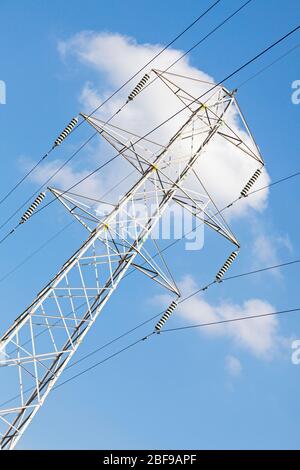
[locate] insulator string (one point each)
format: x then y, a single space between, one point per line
226 265
166 315
28 213
250 183
67 130
138 87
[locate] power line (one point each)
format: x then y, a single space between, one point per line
189 50
155 57
268 66
127 347
94 134
36 251
109 343
230 320
47 180
111 356
25 176
260 54
42 159
281 180
243 66
286 178
248 273
174 242
201 289
201 325
58 232
260 270
77 375
143 338
267 49
42 186
246 64
293 175
228 18
197 291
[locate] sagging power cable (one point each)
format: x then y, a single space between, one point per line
73 124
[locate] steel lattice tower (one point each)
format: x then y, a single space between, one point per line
44 338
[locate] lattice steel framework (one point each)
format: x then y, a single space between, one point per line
43 339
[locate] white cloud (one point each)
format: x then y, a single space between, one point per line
233 366
267 248
259 336
223 169
65 178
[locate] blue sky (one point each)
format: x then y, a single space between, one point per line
176 391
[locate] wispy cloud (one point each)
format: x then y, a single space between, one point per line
233 366
259 336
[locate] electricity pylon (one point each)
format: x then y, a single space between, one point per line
41 342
